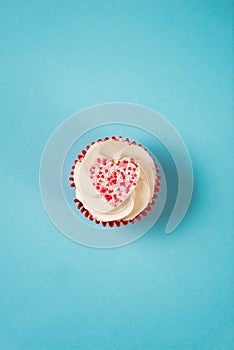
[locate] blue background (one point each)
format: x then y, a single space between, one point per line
161 292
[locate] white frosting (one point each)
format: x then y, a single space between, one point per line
138 198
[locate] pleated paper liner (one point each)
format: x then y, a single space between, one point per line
116 223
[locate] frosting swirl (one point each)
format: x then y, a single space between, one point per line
138 197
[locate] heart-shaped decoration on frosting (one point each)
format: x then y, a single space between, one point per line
114 181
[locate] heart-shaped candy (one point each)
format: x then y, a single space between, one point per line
115 180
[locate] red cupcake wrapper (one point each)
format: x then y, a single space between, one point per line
116 223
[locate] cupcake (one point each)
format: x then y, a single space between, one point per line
115 181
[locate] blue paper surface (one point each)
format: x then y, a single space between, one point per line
163 291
